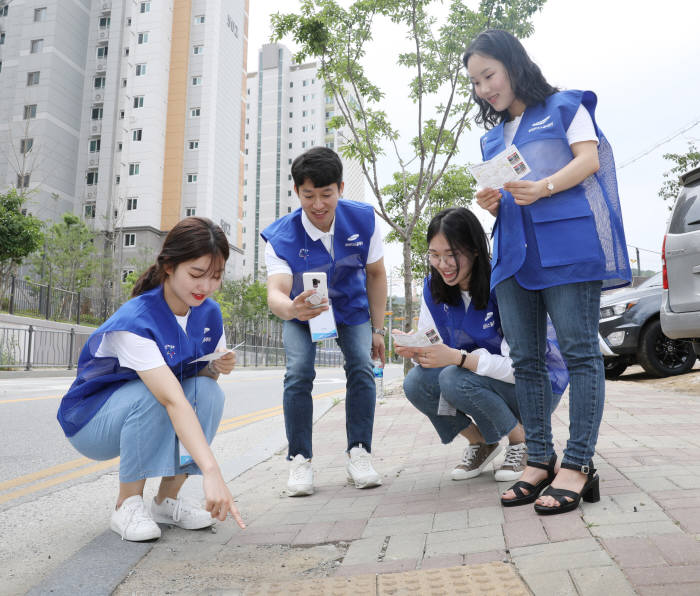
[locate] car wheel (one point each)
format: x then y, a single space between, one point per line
614 367
661 356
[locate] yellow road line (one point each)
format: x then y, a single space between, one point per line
58 480
60 469
19 399
76 463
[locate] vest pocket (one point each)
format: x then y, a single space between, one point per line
565 231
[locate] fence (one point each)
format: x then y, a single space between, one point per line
23 297
47 348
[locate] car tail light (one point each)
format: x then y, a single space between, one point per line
663 263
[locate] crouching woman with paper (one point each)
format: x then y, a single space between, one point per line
143 393
465 385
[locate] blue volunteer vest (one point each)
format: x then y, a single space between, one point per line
471 328
574 235
150 317
347 281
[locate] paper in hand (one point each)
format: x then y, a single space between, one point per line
505 167
420 339
215 355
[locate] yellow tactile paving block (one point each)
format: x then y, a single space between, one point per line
473 580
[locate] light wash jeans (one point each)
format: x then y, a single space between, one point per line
355 342
575 311
135 426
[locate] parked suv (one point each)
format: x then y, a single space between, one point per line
630 332
680 310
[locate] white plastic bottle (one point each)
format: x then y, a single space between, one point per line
378 377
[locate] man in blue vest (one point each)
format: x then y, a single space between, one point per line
342 239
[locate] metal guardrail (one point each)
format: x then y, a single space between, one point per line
27 349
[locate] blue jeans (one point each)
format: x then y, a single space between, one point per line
355 342
575 311
135 426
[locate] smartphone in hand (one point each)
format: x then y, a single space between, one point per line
316 280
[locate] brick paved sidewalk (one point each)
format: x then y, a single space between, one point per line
642 537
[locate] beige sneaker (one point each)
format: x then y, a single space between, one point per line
513 464
475 458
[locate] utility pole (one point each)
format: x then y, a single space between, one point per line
639 265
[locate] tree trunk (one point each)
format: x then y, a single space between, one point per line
408 296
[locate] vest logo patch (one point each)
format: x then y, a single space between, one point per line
489 324
169 350
541 124
206 339
303 253
488 316
352 240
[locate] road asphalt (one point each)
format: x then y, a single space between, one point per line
643 537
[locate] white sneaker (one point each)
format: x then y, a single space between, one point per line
474 459
132 522
360 470
301 477
514 463
181 513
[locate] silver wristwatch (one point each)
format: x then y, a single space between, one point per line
379 331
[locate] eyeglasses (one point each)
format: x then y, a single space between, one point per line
449 260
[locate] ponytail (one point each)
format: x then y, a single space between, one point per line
151 278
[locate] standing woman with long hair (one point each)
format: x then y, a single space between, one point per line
138 395
558 241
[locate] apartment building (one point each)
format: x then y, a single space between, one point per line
286 114
152 102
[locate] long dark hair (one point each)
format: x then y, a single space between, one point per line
526 78
191 238
465 235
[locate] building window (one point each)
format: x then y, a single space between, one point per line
25 145
290 145
291 100
120 146
2 37
3 10
121 114
32 78
195 112
130 239
23 180
91 177
105 21
97 113
36 45
89 211
95 145
126 51
145 7
190 211
191 178
40 15
140 70
117 179
289 193
126 273
194 144
100 82
225 226
305 113
0 65
102 51
196 81
134 169
291 84
143 37
131 203
136 134
199 19
197 50
138 101
30 111
123 82
305 82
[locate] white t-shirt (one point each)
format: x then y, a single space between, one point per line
275 264
580 129
138 353
496 366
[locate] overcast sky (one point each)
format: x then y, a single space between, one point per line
643 63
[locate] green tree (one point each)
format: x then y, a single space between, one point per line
242 299
68 259
438 88
455 189
20 235
684 162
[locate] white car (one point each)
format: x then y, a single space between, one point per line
680 304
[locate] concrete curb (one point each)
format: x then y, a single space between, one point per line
102 564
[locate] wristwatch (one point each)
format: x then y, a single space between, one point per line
550 186
464 357
379 331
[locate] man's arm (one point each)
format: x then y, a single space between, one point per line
376 294
279 286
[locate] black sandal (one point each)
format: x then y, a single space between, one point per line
590 492
533 489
